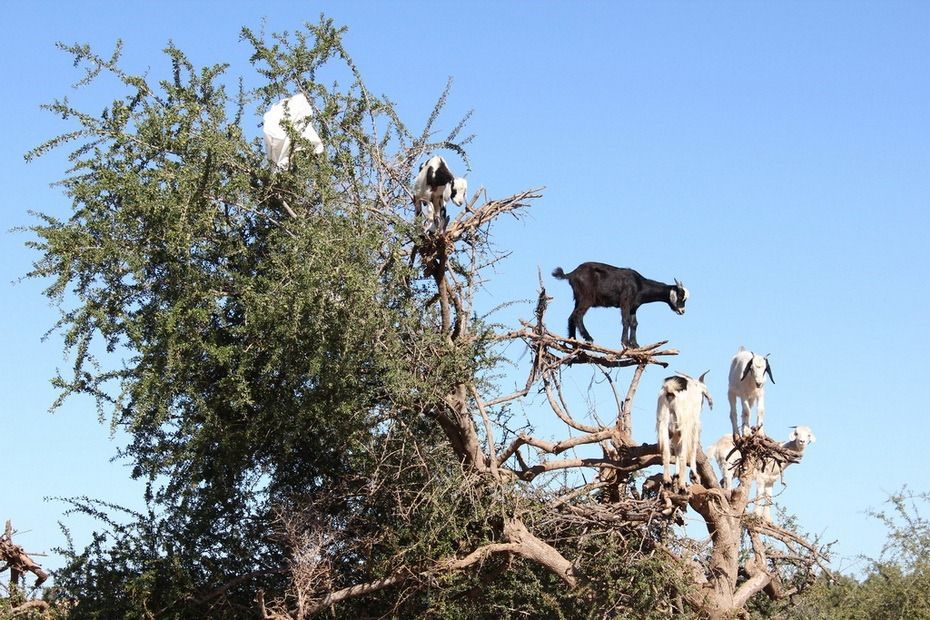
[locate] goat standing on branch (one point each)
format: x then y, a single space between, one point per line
435 185
765 474
747 381
605 286
678 423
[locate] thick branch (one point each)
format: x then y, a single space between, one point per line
520 542
556 447
16 558
34 605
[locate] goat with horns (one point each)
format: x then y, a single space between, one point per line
605 286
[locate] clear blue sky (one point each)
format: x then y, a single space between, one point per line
775 157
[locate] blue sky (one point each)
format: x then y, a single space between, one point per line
775 157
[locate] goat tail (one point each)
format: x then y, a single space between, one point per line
558 273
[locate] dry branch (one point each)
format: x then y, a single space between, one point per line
519 541
16 558
33 605
468 221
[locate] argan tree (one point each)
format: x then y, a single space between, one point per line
313 397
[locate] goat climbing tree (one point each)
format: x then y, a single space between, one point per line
312 396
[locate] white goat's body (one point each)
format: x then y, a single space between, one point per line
434 186
278 146
718 452
764 477
678 424
747 382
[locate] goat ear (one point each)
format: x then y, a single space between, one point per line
768 369
794 433
747 369
710 401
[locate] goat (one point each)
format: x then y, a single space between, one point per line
747 381
765 476
605 286
277 143
435 185
678 423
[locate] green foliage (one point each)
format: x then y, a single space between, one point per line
272 337
894 586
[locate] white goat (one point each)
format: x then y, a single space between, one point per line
298 111
435 185
747 381
764 477
678 423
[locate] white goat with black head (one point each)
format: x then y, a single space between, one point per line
765 476
678 423
747 382
605 286
435 185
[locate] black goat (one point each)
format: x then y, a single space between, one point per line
605 286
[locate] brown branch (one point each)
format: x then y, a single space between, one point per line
759 577
566 444
488 431
469 220
358 590
520 542
535 549
28 606
560 412
16 558
625 419
786 537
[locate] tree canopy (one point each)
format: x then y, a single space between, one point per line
312 396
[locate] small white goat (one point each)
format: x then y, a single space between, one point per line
765 477
678 423
435 185
298 111
747 381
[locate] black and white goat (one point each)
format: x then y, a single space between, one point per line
435 185
678 423
605 286
765 476
747 382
